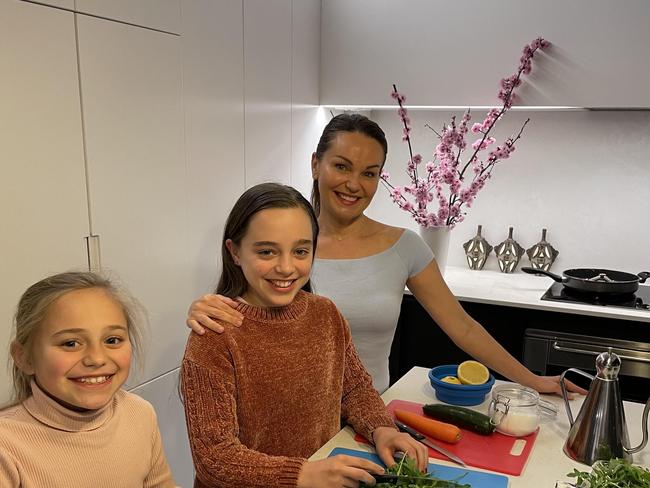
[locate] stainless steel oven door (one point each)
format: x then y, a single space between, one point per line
550 353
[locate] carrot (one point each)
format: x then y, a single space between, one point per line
429 427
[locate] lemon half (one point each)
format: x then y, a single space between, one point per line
472 373
451 379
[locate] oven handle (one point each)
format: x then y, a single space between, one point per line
558 347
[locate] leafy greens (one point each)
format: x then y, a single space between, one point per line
407 467
615 473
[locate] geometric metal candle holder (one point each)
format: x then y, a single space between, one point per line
509 252
477 250
542 255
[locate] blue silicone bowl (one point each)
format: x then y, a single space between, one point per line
464 395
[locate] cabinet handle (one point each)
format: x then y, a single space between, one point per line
558 347
94 254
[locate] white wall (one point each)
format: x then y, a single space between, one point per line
582 175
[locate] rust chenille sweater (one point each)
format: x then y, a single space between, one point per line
261 398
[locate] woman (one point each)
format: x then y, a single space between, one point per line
260 399
363 265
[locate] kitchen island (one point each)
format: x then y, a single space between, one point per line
547 463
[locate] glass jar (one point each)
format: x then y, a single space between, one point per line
516 410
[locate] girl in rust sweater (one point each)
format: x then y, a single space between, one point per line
260 399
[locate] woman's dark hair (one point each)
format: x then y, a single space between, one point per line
232 282
345 122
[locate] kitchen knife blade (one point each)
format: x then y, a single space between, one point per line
423 439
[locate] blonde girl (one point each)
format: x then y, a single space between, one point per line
70 424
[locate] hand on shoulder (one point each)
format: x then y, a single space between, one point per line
212 312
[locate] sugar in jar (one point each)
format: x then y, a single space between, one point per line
516 410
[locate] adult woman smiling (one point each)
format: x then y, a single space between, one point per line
362 265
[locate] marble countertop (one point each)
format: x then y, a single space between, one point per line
523 290
547 463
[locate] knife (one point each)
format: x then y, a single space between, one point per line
423 439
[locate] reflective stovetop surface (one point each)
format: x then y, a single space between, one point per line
639 300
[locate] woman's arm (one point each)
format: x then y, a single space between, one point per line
430 289
207 310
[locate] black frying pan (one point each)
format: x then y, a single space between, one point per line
596 281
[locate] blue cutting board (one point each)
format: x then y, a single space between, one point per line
476 479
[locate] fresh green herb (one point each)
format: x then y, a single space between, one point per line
615 473
407 467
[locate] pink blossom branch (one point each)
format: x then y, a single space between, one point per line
407 129
446 173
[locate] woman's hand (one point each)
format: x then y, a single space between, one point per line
338 472
551 384
206 310
389 440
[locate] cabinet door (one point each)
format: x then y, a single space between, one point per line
267 88
133 119
43 206
164 15
453 53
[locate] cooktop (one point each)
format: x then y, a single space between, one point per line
639 300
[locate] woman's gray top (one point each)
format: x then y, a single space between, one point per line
369 291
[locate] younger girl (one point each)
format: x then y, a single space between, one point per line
260 399
71 424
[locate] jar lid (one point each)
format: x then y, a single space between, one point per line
517 395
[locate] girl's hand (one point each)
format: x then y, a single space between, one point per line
338 472
551 384
203 311
389 440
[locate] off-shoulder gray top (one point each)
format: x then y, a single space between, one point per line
369 291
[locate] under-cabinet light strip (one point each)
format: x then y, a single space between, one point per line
535 108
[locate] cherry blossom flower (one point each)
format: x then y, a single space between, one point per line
453 184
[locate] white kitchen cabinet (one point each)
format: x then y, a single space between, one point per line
163 394
164 15
307 119
43 208
133 120
213 96
267 90
455 53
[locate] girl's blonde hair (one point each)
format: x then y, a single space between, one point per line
35 302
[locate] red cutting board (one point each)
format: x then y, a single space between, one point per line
493 452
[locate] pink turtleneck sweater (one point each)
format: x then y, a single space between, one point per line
263 397
45 445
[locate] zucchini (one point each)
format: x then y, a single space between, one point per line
461 417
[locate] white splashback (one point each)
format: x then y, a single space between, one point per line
584 176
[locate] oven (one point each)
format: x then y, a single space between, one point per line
551 353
